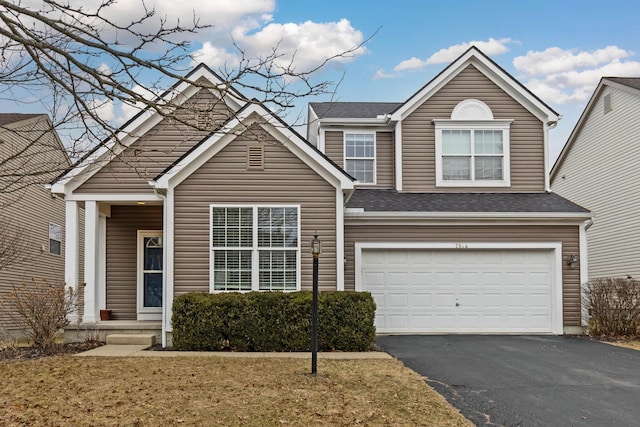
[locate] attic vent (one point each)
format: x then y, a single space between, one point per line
607 103
255 157
204 120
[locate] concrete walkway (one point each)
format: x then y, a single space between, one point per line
141 351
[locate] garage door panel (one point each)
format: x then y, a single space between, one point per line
421 301
489 291
397 301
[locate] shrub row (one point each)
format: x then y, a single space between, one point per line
273 321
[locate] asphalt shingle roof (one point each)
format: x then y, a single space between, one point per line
353 110
393 201
6 118
633 82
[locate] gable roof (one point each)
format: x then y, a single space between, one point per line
632 82
494 72
130 132
8 118
214 142
628 84
373 200
356 110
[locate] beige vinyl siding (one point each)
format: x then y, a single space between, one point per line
600 172
155 150
334 147
385 156
418 135
121 269
29 210
567 234
224 179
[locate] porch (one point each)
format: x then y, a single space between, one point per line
101 329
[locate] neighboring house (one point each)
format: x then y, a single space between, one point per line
450 232
31 220
598 168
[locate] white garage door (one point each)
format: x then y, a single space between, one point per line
460 291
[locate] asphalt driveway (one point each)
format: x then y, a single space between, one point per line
527 380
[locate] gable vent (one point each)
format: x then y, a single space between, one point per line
607 103
255 157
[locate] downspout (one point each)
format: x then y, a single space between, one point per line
163 196
584 270
546 127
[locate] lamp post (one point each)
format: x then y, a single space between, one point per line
316 248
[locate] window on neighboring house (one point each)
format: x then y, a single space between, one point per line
55 239
360 156
255 248
472 149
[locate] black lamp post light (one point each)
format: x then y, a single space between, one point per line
316 249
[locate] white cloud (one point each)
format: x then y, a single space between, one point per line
215 57
410 64
381 74
491 47
563 76
303 46
103 108
557 60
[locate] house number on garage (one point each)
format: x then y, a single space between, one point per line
462 246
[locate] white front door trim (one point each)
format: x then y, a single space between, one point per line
146 313
556 247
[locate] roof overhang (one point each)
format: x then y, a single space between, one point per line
144 122
356 214
494 72
583 118
250 115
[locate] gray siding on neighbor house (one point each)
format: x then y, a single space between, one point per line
385 156
600 172
418 135
569 235
224 179
29 210
155 150
122 256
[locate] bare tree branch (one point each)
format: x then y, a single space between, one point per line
76 60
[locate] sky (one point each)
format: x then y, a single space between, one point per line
558 49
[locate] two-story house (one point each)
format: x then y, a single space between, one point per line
439 206
32 243
598 168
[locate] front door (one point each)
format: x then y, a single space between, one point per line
150 270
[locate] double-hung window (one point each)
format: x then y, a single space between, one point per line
360 156
255 248
472 152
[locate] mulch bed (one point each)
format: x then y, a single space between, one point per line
30 353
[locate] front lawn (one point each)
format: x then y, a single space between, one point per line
75 391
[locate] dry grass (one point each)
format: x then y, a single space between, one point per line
217 391
628 344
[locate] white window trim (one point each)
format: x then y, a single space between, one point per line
472 125
147 313
55 240
255 264
374 158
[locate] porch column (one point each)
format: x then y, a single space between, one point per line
91 259
71 249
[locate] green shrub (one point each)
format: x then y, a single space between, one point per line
273 321
614 307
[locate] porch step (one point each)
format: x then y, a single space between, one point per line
131 339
